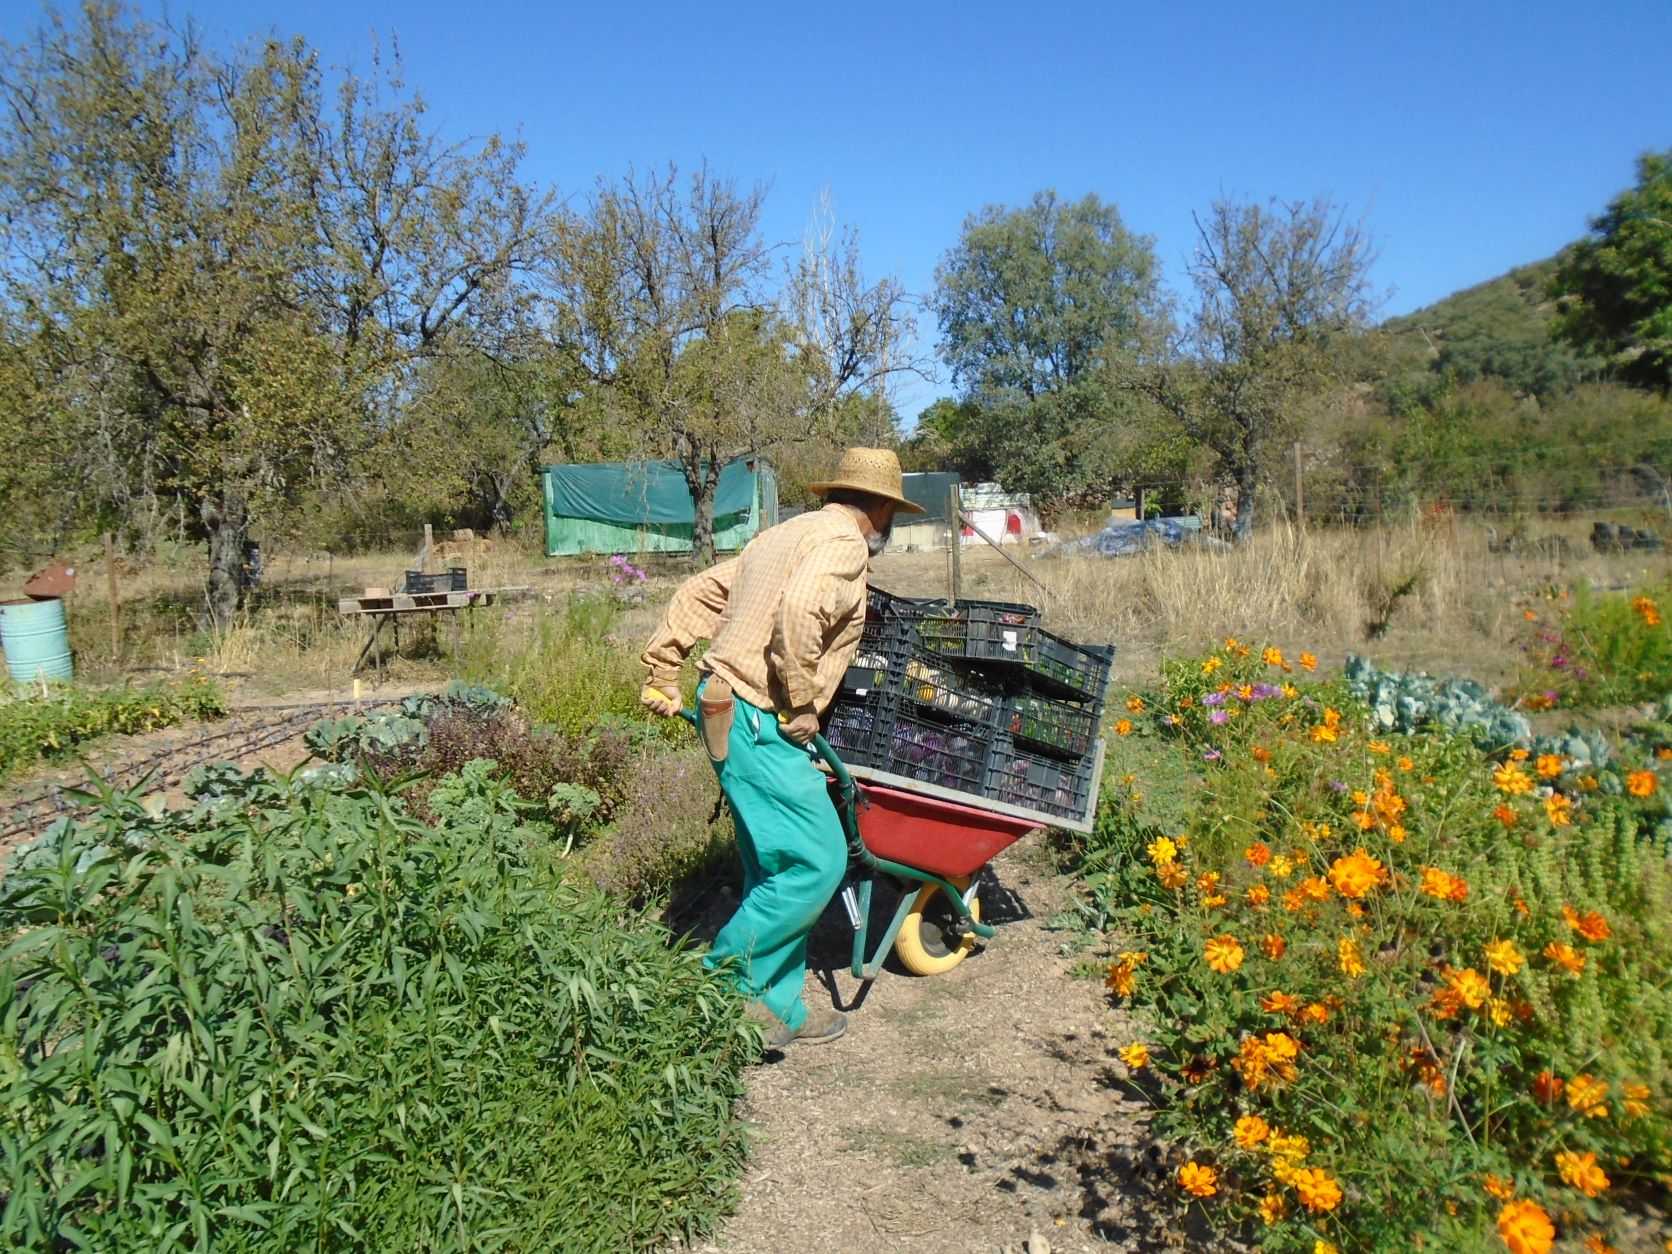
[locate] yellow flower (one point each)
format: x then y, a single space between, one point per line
1290 691
1161 850
1292 1149
1379 746
1317 1192
1588 1095
1321 1246
1581 1172
1322 735
1504 958
1272 657
1315 888
1512 779
1356 874
1198 1180
1282 866
1565 956
1224 954
1251 1130
1641 783
1595 1244
1441 884
1469 985
1135 1055
1273 1206
1526 1228
1350 958
1503 1190
1212 664
1635 1100
1559 809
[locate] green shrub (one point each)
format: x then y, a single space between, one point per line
295 1017
1595 649
36 727
1444 972
665 833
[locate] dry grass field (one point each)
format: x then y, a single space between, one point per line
1419 594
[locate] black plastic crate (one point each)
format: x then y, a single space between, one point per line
1059 728
860 728
885 607
1073 671
879 661
982 631
420 583
889 661
954 755
1033 781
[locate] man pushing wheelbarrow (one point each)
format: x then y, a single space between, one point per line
784 619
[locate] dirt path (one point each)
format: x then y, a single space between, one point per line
982 1109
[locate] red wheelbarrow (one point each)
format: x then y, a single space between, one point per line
918 834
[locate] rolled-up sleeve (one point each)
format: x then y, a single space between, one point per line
816 604
692 615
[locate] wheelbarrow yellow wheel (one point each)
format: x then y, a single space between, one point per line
927 943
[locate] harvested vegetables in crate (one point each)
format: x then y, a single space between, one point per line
947 755
1019 778
1056 727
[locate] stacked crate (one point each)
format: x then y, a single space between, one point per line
975 698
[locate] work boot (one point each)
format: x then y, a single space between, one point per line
778 1033
822 1026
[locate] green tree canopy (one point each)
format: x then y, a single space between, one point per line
1615 286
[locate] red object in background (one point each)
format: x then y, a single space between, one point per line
934 835
1013 524
50 583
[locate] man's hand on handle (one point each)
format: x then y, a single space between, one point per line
663 699
799 729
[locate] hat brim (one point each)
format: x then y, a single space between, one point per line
906 507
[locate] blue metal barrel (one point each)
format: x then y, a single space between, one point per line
37 646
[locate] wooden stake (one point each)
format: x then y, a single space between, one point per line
955 511
115 599
1300 491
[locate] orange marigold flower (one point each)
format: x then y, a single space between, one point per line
1317 1192
1273 1206
1279 1003
1120 981
1267 1060
1135 703
1547 1087
1207 881
1647 610
1350 958
1526 1228
1405 764
1529 615
1588 1095
1322 735
1520 755
1596 1245
1559 809
1123 727
1258 854
1591 925
1315 1013
1503 1190
1504 815
1293 901
1172 875
1308 661
1273 945
1642 783
1260 754
1635 1100
1581 1172
1379 746
1315 888
1441 884
1198 1180
1135 1056
1224 954
1470 986
1566 956
1549 765
1197 1069
1512 779
1356 874
1446 1003
1272 657
1251 1130
1259 895
1504 958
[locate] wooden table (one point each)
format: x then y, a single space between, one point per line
387 611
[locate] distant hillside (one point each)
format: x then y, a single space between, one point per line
1500 330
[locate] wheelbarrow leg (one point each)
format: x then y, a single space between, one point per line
869 970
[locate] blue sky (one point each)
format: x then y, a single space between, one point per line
1472 136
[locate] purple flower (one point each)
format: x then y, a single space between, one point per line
1214 698
1212 755
1168 720
1264 691
1337 786
1218 716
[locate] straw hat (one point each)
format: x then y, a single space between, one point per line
872 470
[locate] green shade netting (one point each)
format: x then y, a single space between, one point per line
642 493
